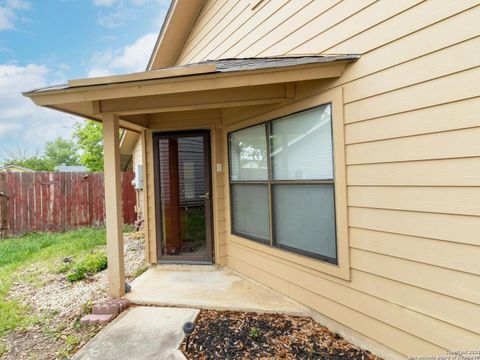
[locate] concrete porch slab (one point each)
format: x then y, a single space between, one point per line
140 333
208 287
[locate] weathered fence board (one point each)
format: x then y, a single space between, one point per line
40 202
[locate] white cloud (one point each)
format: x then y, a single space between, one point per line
18 4
22 123
5 128
114 19
7 18
124 2
105 2
130 58
116 13
135 56
8 12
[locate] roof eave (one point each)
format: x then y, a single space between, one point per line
178 22
192 82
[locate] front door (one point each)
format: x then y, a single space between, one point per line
183 197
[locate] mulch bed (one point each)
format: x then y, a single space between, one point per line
239 335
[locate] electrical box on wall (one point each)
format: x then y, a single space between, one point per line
138 181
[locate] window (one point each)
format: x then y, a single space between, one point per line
282 183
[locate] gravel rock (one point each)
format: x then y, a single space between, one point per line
50 295
58 295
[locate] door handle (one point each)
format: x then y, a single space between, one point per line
206 196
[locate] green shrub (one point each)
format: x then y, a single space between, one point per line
64 268
3 348
254 332
128 228
90 264
95 262
78 274
87 307
140 271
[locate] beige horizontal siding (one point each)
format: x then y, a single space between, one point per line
430 93
408 22
369 306
412 135
445 172
444 307
207 23
238 19
204 19
444 281
389 335
456 228
445 145
444 254
447 61
305 14
434 119
429 39
375 14
443 200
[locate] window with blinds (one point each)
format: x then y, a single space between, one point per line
282 183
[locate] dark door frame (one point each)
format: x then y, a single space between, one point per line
162 258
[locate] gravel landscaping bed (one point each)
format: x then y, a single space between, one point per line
239 335
57 306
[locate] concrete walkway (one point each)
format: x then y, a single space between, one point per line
208 287
140 333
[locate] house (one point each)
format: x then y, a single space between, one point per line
341 157
14 168
70 168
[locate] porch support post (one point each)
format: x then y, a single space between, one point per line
113 205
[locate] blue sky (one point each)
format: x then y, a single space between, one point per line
45 42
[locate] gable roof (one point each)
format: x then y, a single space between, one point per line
177 24
13 167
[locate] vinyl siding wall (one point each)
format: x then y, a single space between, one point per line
412 134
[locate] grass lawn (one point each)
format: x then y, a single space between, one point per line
42 249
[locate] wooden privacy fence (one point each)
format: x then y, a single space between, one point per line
54 202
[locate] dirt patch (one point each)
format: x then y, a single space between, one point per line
240 335
50 339
57 306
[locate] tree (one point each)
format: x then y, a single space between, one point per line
89 137
35 162
62 152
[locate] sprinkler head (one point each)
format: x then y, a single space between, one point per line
188 328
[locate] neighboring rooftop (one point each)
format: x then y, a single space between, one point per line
70 168
15 168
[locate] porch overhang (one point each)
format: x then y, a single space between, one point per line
133 101
207 85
